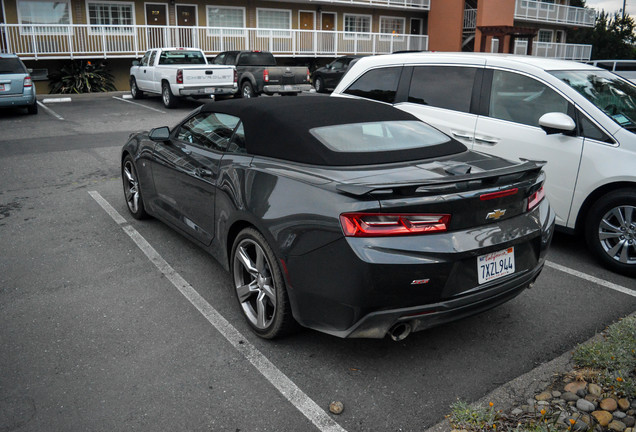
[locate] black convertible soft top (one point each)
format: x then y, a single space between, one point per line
279 127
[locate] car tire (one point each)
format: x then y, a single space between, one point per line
33 109
132 189
247 90
610 231
168 98
134 90
319 85
259 286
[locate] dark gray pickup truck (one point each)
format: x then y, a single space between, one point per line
258 74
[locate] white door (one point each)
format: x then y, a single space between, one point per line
511 130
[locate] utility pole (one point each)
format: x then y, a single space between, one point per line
624 3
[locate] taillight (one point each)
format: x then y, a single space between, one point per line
536 198
379 225
235 76
499 194
28 82
308 75
179 76
266 75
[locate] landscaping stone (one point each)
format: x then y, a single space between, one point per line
569 396
594 389
617 426
608 404
619 415
623 404
575 386
629 421
545 396
581 393
602 417
584 405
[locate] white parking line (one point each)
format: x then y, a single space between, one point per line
56 100
50 111
593 279
278 379
138 104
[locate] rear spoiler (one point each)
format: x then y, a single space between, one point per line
363 189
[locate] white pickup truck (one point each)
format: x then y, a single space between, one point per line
180 72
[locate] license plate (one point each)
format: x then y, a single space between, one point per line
210 89
1 87
288 87
495 265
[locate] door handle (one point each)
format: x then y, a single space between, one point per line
486 140
462 135
202 172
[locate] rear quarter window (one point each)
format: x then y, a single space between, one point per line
377 84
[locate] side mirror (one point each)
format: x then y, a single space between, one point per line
135 63
160 134
556 122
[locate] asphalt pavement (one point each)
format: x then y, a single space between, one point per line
109 323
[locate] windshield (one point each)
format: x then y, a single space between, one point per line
11 65
379 136
613 95
181 57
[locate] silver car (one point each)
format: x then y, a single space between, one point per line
16 85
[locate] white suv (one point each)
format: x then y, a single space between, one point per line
579 118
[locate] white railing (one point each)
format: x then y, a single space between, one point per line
470 19
561 51
539 11
402 4
88 41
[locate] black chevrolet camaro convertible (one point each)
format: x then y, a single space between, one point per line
345 216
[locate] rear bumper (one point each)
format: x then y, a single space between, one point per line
207 91
361 287
17 100
290 88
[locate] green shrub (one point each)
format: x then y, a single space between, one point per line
81 76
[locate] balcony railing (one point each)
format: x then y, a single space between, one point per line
393 4
470 19
561 51
89 41
538 11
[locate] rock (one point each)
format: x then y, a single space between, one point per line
337 407
617 426
545 396
602 417
629 430
556 394
623 404
608 404
543 404
570 397
594 389
634 404
619 415
516 412
575 386
584 405
580 426
592 398
629 421
581 393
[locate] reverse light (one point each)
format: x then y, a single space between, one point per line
266 75
28 82
179 76
235 77
536 198
499 194
382 224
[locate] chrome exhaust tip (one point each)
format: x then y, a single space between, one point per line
400 331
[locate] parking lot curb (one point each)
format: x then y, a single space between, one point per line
524 387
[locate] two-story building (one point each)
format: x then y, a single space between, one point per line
46 33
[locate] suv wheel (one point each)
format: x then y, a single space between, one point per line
610 231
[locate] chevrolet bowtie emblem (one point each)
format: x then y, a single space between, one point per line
496 214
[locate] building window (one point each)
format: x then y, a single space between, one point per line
545 36
111 17
357 24
33 14
273 19
392 25
224 17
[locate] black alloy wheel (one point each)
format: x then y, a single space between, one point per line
611 231
259 286
132 190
